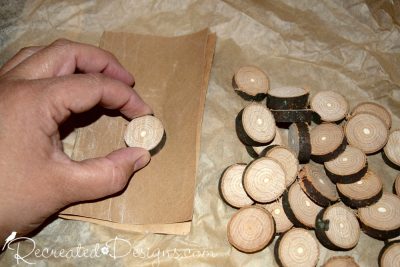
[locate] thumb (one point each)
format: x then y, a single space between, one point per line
100 177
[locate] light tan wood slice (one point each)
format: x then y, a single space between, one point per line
326 138
367 132
231 187
382 219
278 140
299 248
390 255
251 229
397 185
341 261
288 97
251 80
282 222
264 180
288 160
145 132
375 109
392 148
329 105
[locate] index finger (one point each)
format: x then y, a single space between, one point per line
64 57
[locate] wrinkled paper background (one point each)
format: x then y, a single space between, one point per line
352 47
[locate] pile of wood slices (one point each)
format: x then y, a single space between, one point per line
334 193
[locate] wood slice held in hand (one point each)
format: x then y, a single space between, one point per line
231 187
255 125
251 229
264 180
255 151
396 186
389 256
330 106
146 132
287 98
299 141
341 261
362 193
337 228
374 109
349 167
382 219
251 83
299 208
317 185
282 222
367 132
288 161
392 148
294 115
297 247
327 142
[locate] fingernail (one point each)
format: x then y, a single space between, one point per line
141 162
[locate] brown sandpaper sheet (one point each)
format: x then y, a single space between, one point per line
171 75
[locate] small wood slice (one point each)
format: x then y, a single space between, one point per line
349 167
337 228
396 186
146 132
264 180
330 106
288 161
341 261
287 98
327 142
382 219
299 208
231 187
297 247
251 229
294 115
317 185
255 125
363 193
255 151
251 83
375 109
389 256
282 222
367 132
299 141
392 148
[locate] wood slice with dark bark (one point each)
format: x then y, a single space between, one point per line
294 115
231 187
392 148
251 229
297 247
337 228
299 208
255 125
264 180
375 109
330 106
289 97
382 219
146 132
341 261
299 141
251 83
367 132
255 151
317 185
389 256
362 193
327 142
282 222
349 167
396 186
288 161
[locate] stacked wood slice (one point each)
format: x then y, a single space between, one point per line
374 109
297 247
396 185
330 106
255 151
392 148
341 261
282 222
390 254
327 142
251 83
299 141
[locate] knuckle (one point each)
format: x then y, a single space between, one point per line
61 42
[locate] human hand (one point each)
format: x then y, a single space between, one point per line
39 90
